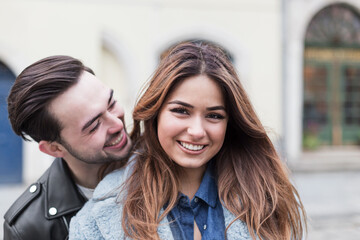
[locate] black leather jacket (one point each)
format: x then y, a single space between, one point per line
44 210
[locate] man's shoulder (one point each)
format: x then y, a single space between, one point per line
43 204
31 194
19 219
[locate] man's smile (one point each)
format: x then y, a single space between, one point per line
115 141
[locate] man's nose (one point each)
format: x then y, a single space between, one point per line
196 128
114 122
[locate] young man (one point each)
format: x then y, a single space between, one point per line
74 117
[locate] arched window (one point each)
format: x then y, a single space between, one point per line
335 26
331 110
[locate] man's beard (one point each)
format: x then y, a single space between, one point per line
92 159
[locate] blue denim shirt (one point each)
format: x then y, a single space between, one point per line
205 208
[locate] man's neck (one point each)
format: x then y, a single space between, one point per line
86 192
84 174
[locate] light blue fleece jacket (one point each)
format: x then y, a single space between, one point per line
100 218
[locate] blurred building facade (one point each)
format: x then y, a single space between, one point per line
321 83
123 40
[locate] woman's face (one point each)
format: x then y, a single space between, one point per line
192 122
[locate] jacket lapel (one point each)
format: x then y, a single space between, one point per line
61 192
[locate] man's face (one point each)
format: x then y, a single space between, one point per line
93 122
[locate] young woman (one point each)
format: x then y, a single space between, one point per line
204 166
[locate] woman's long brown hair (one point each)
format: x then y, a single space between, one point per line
252 181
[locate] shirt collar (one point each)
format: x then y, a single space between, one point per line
208 188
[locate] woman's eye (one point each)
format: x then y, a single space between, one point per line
216 116
179 110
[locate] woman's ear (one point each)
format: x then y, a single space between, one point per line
52 148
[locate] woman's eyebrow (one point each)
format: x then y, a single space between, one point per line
220 107
216 108
181 103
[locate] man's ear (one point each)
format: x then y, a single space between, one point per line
52 148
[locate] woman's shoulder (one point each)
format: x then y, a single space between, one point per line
238 229
110 185
99 216
106 194
83 224
97 219
102 213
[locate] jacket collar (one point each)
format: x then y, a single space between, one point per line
107 211
238 229
208 188
62 195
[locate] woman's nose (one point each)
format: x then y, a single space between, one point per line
196 128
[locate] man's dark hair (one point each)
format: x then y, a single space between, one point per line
33 91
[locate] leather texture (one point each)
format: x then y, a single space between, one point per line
44 210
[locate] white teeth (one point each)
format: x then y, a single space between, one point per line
192 146
116 141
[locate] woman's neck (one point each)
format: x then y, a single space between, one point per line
190 180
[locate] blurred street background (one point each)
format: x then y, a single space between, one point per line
332 203
299 61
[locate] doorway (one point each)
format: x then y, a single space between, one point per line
10 143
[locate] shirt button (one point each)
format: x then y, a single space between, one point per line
52 211
33 188
196 199
205 227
